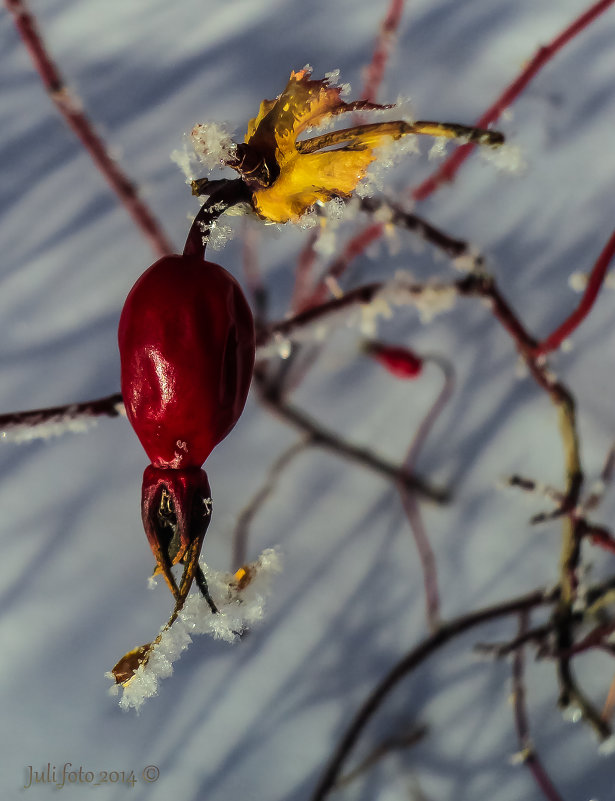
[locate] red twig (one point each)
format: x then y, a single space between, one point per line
530 758
70 108
375 70
601 537
303 275
411 504
449 168
594 285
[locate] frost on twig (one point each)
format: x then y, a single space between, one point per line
58 420
360 309
239 599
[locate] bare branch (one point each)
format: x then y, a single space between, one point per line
70 108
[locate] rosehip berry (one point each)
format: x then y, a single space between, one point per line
400 362
186 339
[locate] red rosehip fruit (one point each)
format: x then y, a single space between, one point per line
186 340
400 362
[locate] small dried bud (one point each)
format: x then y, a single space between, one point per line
129 663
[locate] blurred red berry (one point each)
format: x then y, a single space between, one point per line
400 362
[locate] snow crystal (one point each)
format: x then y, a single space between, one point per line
332 77
572 713
437 150
334 210
184 160
469 262
240 600
607 747
567 345
308 220
577 281
325 245
428 299
212 144
219 235
506 158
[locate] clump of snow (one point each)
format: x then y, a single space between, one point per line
437 150
577 281
308 220
212 144
42 425
471 261
572 713
429 299
507 158
333 79
55 427
218 236
184 159
334 210
240 600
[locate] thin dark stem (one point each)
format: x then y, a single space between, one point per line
227 194
70 108
322 438
410 502
453 248
240 536
447 632
528 753
19 426
384 749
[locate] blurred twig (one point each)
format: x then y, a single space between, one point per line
447 631
69 106
528 753
543 56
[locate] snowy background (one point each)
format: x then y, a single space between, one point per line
257 720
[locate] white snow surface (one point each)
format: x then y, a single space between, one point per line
259 718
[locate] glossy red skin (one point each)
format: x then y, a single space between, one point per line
186 338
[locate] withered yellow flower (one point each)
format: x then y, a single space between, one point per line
286 176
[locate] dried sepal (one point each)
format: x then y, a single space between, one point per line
128 665
286 176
